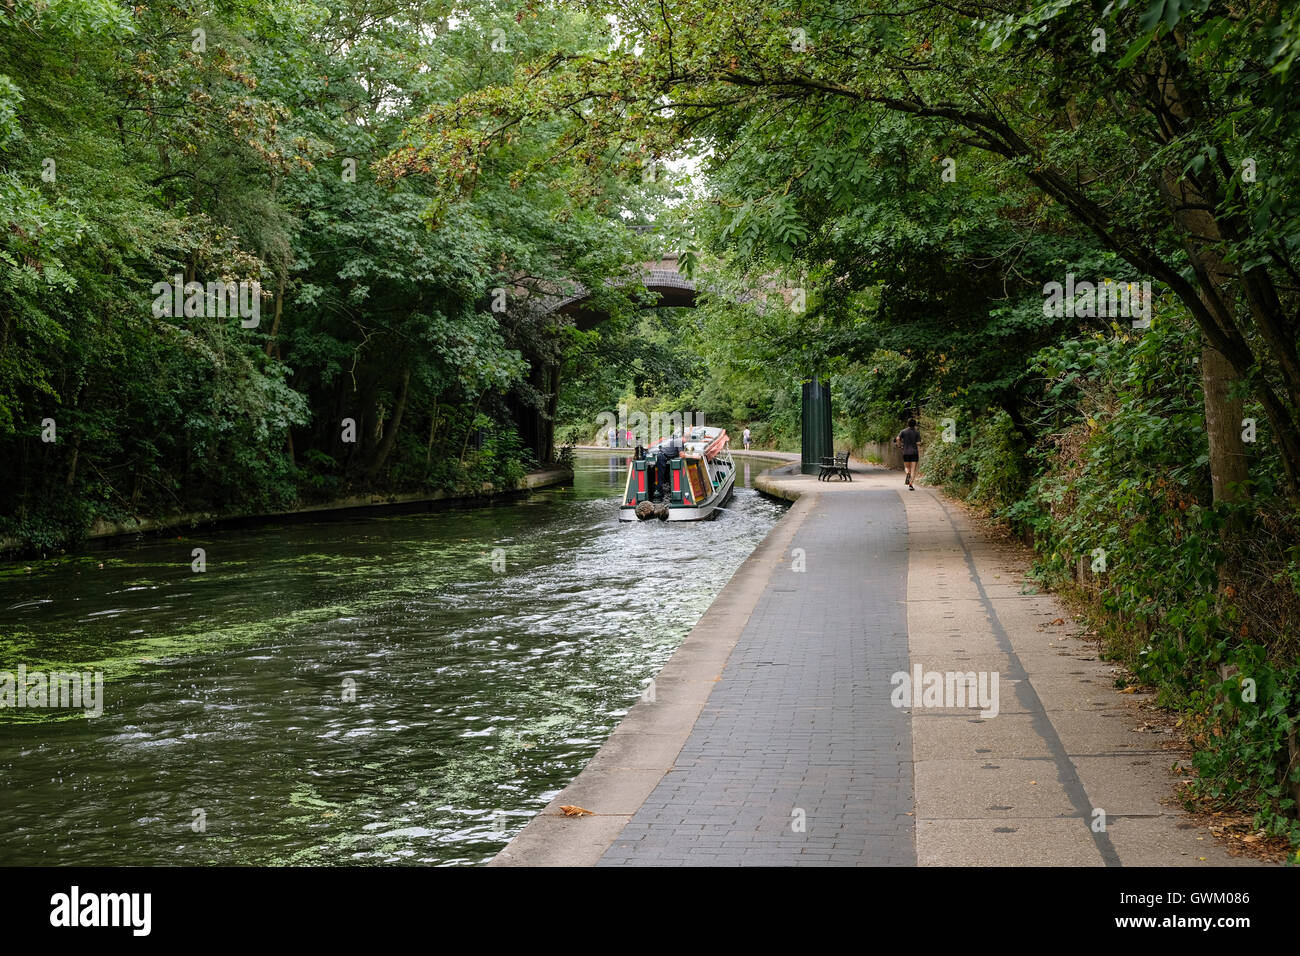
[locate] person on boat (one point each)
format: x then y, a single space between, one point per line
670 447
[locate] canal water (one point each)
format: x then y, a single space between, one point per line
384 690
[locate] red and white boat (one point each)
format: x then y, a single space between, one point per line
697 478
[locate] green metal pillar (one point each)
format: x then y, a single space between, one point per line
818 442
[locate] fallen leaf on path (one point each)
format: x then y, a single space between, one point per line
1130 689
576 811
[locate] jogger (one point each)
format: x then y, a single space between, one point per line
910 439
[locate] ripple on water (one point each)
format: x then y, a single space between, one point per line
365 691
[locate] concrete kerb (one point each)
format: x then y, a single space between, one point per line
646 743
775 489
790 483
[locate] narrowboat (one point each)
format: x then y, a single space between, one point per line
680 479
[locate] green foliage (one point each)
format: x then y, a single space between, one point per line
986 462
246 142
1246 728
867 396
502 461
947 178
54 525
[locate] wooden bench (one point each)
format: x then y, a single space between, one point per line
836 466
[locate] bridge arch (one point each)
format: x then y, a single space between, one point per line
660 277
671 289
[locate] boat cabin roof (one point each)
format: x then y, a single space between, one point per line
704 438
697 441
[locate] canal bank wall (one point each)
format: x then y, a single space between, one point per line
645 744
103 533
768 482
882 453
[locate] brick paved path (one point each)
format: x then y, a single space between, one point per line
799 722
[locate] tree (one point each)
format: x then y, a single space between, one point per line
242 143
1179 96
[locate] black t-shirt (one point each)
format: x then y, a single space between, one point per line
910 438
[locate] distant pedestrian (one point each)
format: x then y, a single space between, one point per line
745 436
910 439
629 438
612 435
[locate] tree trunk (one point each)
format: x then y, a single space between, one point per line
473 416
1229 468
275 323
390 432
354 450
547 452
433 430
72 466
1202 239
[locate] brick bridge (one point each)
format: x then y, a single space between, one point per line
671 289
660 277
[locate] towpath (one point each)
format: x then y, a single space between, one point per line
774 736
